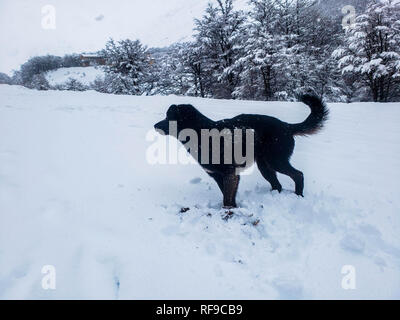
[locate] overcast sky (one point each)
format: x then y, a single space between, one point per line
86 25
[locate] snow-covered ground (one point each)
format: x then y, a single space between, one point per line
77 192
85 75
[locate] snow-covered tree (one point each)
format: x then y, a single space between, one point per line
334 8
261 52
74 85
180 69
216 37
5 79
38 82
99 84
190 69
172 72
195 65
127 64
35 68
372 50
71 60
284 50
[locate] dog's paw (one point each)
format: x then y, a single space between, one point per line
279 189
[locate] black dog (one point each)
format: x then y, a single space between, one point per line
273 143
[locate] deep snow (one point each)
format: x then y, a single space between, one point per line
77 192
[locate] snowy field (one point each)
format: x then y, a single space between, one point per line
85 75
76 192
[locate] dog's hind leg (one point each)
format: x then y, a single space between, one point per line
231 185
269 174
297 176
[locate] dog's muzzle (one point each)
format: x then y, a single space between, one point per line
162 127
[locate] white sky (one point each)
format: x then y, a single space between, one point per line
154 22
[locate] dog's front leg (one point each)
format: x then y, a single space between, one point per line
231 185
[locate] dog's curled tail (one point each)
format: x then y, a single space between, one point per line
315 121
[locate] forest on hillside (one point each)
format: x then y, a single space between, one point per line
342 51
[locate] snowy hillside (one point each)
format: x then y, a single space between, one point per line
76 192
84 75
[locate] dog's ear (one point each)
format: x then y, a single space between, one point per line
173 108
172 111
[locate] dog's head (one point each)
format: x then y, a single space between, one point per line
182 115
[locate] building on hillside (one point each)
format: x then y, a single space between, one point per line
92 59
